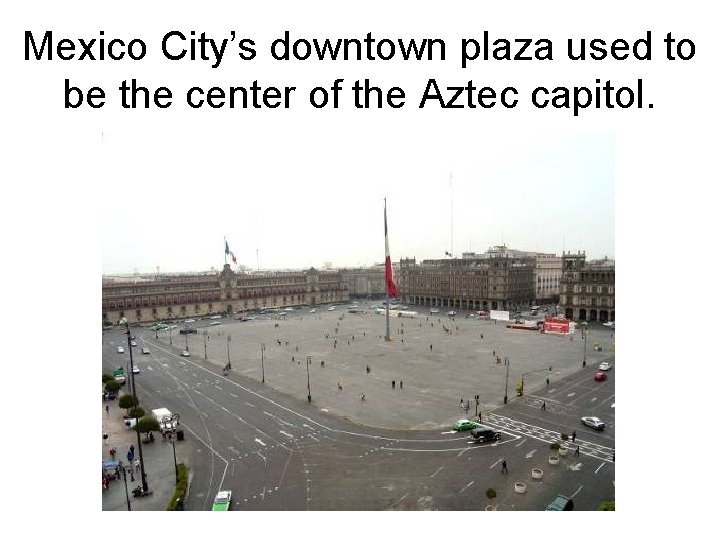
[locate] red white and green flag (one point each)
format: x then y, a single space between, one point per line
389 279
228 252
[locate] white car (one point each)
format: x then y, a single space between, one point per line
593 422
434 310
605 366
313 310
215 323
133 344
216 317
184 353
331 308
136 368
145 350
189 320
121 350
609 324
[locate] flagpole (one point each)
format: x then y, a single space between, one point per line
225 239
387 291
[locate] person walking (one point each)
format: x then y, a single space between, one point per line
107 409
573 436
401 389
542 407
431 347
393 385
577 450
504 469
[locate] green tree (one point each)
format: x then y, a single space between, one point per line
555 447
148 424
490 494
136 412
112 386
127 402
607 506
107 377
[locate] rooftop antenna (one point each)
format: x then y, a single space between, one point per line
451 217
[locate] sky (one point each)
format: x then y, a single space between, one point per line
545 192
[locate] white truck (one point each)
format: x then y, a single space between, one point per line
167 420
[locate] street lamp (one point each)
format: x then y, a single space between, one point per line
584 338
143 477
175 460
507 374
186 342
127 495
307 365
205 340
262 361
228 351
171 336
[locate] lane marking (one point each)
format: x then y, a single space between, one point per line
496 463
593 399
246 403
530 453
521 442
470 484
259 441
576 492
435 473
600 467
287 434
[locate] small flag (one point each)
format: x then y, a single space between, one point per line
389 281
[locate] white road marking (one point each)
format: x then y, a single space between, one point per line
286 433
233 395
600 467
496 463
521 442
470 484
576 492
551 390
259 441
309 427
246 403
575 467
530 453
571 394
447 432
613 405
435 473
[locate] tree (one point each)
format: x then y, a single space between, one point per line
127 402
148 424
607 506
107 377
490 494
112 386
555 447
136 412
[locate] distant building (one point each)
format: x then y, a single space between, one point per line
489 281
179 296
587 289
367 282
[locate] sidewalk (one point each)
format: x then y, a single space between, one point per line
157 457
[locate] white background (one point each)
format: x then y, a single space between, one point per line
63 179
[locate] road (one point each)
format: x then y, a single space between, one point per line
278 453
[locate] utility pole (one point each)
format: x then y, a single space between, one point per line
262 361
307 365
143 477
228 352
507 374
205 340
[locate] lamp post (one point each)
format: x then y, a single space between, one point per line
228 352
127 495
175 460
171 336
205 340
307 365
262 361
584 338
186 342
143 477
507 374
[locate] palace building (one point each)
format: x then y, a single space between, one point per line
179 296
587 289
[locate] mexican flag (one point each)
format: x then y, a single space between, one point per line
389 280
228 252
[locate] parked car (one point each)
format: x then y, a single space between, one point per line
600 376
222 501
189 320
451 313
561 502
484 434
605 366
184 353
593 422
145 350
434 310
188 330
120 350
464 425
216 317
133 344
136 368
214 323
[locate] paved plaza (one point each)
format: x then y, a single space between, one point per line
343 345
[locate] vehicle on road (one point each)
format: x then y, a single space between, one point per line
222 501
189 330
484 434
167 420
216 317
136 368
561 502
434 310
600 376
313 310
464 425
120 350
133 344
605 366
451 313
119 375
331 308
185 353
145 350
609 324
214 323
593 422
189 320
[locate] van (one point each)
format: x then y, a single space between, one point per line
484 434
561 502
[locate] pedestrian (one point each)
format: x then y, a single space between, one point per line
393 385
481 336
339 386
613 456
461 403
431 347
163 435
362 397
493 353
547 381
367 369
577 450
480 416
107 409
401 389
504 467
542 408
573 436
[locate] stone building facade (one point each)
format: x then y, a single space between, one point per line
180 296
366 282
496 282
587 289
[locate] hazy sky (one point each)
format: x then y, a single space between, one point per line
544 192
